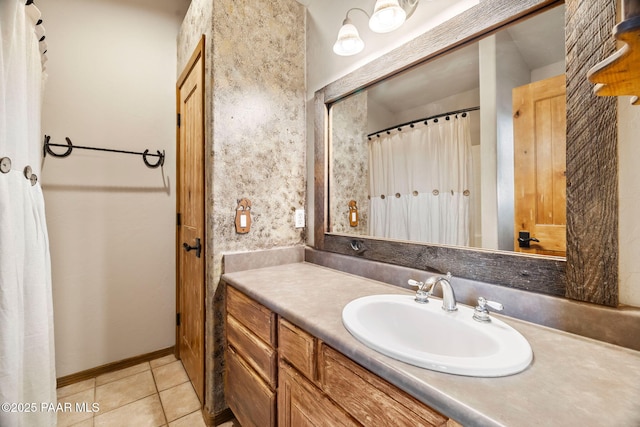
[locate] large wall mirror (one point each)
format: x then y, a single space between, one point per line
396 144
463 151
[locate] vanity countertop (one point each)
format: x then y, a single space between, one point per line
572 381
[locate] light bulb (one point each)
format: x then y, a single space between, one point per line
387 16
349 41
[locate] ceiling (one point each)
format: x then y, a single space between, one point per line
429 82
539 40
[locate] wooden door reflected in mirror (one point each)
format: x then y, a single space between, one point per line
540 126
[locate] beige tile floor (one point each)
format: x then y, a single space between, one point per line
153 394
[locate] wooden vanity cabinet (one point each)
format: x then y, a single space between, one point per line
315 384
319 386
251 361
368 398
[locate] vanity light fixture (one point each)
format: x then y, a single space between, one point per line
349 41
388 15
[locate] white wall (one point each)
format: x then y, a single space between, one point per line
511 71
548 71
110 218
629 190
488 137
379 117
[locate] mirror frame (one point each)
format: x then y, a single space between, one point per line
590 272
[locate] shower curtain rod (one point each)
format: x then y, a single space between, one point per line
412 122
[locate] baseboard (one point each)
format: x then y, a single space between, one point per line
113 366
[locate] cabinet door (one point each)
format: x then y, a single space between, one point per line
368 398
298 348
251 400
301 404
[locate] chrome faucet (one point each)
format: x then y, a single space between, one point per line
448 296
481 312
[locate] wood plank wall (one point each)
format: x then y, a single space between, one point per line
592 158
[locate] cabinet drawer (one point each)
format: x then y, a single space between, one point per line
251 400
368 398
256 317
298 348
256 353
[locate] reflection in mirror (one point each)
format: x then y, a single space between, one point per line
428 155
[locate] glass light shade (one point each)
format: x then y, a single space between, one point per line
387 16
349 41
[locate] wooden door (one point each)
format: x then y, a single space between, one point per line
539 126
190 235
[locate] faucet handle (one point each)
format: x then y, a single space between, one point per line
491 304
481 312
412 282
422 295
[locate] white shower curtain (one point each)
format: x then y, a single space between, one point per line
420 182
27 370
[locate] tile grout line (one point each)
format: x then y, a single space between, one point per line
130 375
129 403
134 401
95 389
157 391
95 395
186 415
120 378
155 383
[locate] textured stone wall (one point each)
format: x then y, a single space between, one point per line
255 138
198 21
349 164
258 115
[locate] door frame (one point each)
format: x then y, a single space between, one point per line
199 52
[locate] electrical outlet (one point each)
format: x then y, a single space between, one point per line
299 218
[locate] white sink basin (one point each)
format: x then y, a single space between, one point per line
424 335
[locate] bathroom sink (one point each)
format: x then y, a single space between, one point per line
424 335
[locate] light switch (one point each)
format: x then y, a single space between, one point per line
299 218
